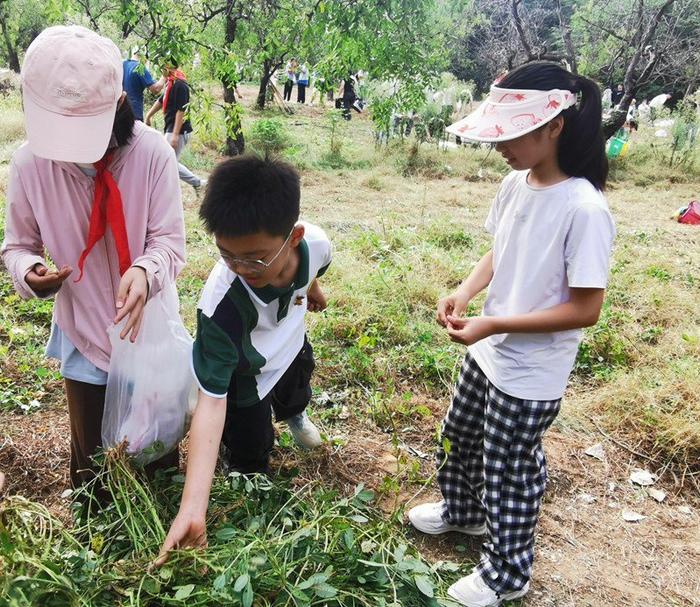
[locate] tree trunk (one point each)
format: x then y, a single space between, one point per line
617 118
12 57
633 76
235 143
264 81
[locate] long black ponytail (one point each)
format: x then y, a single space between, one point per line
581 144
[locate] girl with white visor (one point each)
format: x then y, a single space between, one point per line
546 275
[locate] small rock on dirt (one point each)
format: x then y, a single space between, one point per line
644 478
632 517
657 494
596 451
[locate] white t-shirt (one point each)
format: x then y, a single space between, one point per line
546 240
303 76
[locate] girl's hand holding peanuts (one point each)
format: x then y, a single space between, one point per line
451 305
44 281
468 331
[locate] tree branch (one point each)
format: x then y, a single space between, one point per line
565 28
88 13
604 29
517 21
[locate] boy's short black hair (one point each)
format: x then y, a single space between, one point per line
248 194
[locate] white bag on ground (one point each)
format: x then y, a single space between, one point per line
149 384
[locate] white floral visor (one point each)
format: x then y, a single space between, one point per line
509 113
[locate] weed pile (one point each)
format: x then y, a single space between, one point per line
269 545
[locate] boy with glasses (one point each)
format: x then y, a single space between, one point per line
251 355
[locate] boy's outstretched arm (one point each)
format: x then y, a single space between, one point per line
456 303
582 310
189 526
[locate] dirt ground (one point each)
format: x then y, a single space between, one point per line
586 553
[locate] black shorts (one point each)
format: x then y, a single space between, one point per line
248 432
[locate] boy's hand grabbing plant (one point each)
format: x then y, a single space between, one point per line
316 300
188 530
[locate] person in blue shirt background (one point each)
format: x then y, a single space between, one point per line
135 81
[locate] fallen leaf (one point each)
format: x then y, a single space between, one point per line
643 478
632 517
657 494
324 398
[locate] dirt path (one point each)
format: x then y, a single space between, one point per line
587 554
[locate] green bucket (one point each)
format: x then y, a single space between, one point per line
615 147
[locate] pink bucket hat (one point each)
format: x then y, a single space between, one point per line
71 84
509 113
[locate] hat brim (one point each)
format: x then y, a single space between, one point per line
67 138
472 127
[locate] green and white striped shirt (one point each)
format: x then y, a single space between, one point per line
246 337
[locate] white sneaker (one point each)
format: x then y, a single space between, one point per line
428 519
472 591
304 432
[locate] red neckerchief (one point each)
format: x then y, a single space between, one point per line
176 75
107 209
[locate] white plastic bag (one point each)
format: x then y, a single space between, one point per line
149 385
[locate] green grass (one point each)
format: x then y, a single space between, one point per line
380 330
268 544
378 337
28 380
406 224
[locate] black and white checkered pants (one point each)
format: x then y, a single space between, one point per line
496 472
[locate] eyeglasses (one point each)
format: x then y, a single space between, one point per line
254 266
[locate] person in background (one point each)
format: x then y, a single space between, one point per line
178 130
617 95
347 95
94 190
136 79
291 78
302 83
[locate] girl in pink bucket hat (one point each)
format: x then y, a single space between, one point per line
99 193
546 275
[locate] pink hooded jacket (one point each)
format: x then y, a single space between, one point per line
48 208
